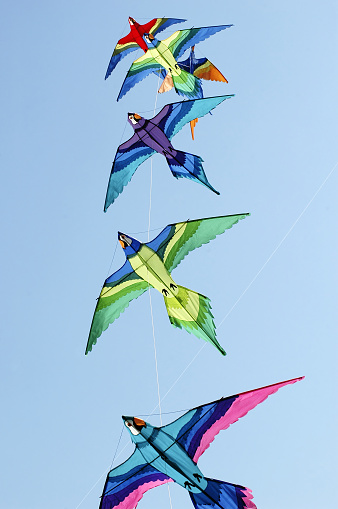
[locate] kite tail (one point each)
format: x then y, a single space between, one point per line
192 311
207 71
183 164
187 85
219 494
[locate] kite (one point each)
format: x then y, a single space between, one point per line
150 265
134 39
154 135
200 67
170 454
164 54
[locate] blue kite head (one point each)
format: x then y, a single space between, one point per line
150 40
138 428
130 245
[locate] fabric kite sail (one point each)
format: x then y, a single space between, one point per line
170 454
150 265
134 39
201 68
154 135
164 54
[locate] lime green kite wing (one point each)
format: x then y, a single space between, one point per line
117 292
177 240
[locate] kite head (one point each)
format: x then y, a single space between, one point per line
135 120
129 245
131 21
138 428
150 40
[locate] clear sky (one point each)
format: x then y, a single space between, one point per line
269 151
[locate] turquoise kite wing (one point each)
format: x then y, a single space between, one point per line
139 70
181 40
118 291
197 428
126 484
174 116
177 240
128 158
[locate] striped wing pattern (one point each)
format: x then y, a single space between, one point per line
126 484
117 292
187 236
139 70
174 116
120 51
202 68
196 429
128 44
181 40
128 158
161 24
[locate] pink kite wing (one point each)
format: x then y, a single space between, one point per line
196 429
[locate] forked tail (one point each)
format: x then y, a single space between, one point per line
192 311
183 164
219 494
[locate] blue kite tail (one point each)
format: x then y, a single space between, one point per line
219 494
183 164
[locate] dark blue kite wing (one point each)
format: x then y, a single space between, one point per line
174 116
126 484
128 158
196 429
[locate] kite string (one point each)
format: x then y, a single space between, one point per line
254 279
151 307
150 302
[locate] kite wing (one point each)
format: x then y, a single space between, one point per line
126 484
128 158
139 70
128 43
181 40
122 48
174 116
196 429
177 240
201 68
157 25
118 291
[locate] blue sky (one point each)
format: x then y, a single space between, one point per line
271 151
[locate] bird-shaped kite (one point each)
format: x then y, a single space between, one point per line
134 39
170 453
164 54
154 135
150 265
200 67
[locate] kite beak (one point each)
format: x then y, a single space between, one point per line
124 245
149 37
139 423
134 424
134 117
131 20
